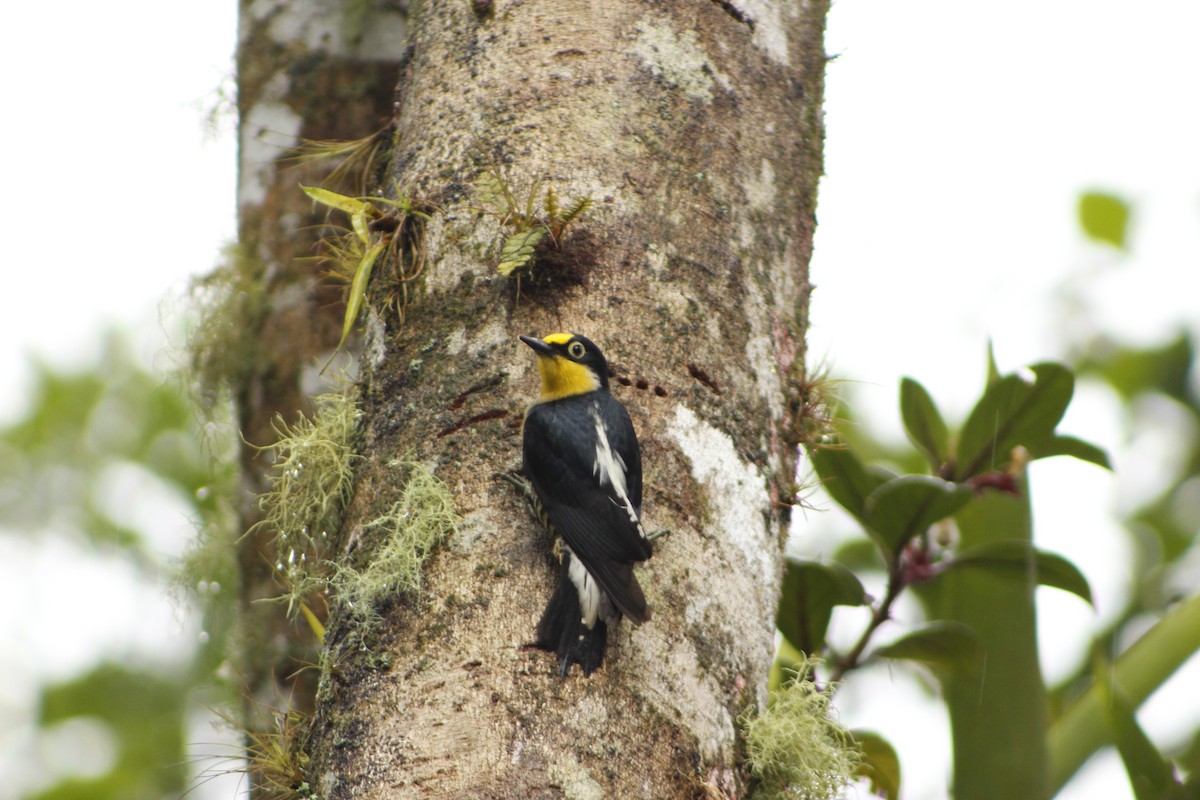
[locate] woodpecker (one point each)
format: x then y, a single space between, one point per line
581 456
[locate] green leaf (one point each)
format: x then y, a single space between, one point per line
993 371
349 205
924 422
1104 218
810 591
905 507
1018 556
1013 411
314 623
845 477
880 765
997 715
491 190
518 249
859 554
402 203
948 646
358 220
1059 445
551 205
1150 774
358 290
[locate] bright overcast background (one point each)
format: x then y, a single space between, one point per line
959 137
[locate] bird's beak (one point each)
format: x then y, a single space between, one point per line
539 347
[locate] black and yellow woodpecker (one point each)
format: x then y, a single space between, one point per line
581 456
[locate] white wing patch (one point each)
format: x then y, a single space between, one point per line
610 468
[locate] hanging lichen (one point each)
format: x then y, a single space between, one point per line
797 749
408 532
309 487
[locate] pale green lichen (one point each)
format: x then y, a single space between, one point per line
408 532
309 487
678 59
222 348
573 779
797 749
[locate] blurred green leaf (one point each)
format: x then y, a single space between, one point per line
118 424
1019 557
944 645
1189 762
1013 411
924 422
993 371
1104 218
880 764
998 714
906 506
810 591
1058 445
859 554
1138 370
1150 774
53 462
845 477
1172 529
145 714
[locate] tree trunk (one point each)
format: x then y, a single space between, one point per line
696 129
305 74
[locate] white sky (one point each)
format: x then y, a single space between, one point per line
959 136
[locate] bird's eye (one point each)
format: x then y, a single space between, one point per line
575 350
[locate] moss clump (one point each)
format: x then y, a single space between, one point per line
797 750
419 521
310 485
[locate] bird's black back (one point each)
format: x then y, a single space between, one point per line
559 459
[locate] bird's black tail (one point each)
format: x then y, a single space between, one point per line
562 631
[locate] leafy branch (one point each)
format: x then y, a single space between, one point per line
961 538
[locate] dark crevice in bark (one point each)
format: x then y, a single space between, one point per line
735 12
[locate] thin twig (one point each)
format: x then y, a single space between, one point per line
882 613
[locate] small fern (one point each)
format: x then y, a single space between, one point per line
578 209
524 226
518 250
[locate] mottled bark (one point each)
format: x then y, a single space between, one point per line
696 128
